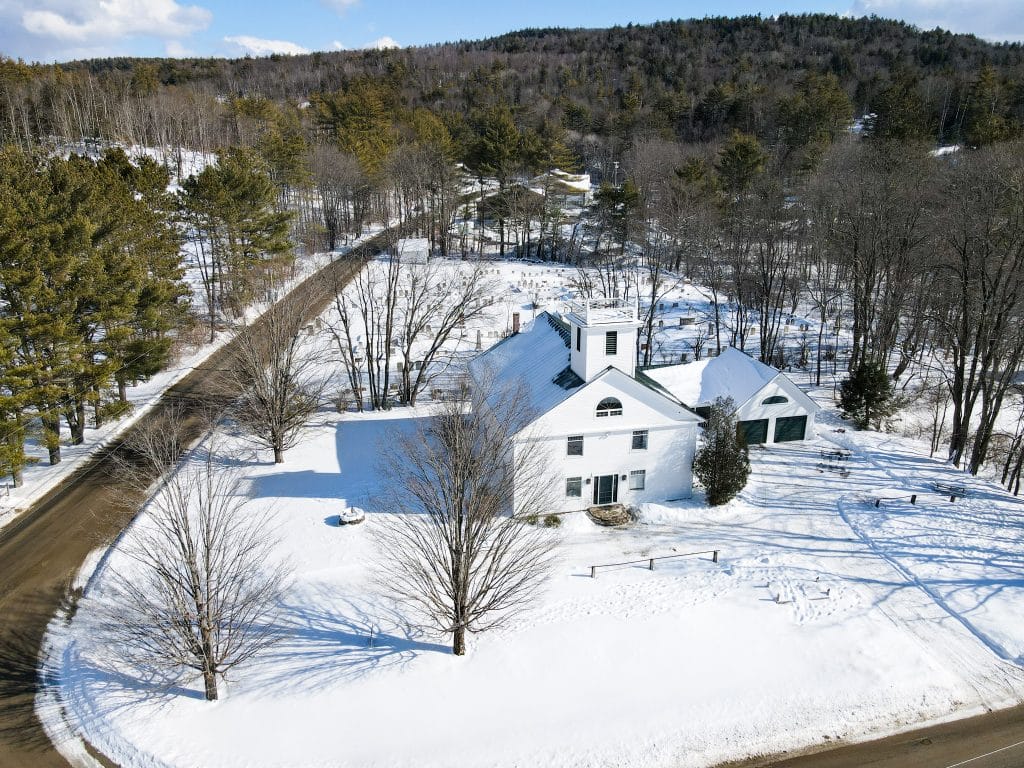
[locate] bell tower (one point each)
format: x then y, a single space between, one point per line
602 333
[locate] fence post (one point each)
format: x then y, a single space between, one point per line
952 498
650 564
714 557
877 502
913 498
593 571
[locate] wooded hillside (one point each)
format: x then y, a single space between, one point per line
692 81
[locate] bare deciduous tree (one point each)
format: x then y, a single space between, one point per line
394 310
459 551
202 593
276 368
438 299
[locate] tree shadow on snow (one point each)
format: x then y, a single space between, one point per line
304 484
327 639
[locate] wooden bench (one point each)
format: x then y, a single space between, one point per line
952 490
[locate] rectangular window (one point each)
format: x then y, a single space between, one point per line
574 487
575 445
578 332
640 440
611 343
637 479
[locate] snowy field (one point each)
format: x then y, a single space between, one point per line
40 477
825 618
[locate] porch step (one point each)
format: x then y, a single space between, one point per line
610 514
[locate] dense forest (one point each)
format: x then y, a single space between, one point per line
778 162
691 81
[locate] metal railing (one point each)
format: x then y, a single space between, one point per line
596 311
650 560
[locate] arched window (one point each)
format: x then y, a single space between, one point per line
610 406
774 400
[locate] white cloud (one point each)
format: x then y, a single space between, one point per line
176 50
337 45
340 5
100 20
995 20
258 46
383 42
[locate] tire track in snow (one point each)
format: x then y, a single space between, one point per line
965 658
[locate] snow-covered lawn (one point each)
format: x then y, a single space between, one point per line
825 618
40 477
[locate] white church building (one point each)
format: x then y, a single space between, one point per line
612 434
607 436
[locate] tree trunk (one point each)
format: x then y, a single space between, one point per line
459 641
51 429
210 684
278 454
78 427
122 391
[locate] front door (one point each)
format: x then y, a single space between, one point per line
606 489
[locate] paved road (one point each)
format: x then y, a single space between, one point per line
994 740
41 551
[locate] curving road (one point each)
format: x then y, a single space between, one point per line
993 740
41 551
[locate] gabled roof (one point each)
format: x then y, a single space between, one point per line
730 374
640 388
534 362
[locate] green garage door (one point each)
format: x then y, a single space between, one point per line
790 428
753 432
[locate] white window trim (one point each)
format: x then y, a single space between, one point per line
574 495
642 475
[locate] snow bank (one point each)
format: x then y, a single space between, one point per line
803 630
824 618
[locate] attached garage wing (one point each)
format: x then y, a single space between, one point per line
753 432
788 428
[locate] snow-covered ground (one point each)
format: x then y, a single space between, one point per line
825 618
40 477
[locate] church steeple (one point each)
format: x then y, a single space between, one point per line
603 332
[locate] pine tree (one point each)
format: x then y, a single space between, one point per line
43 239
143 267
866 396
89 266
899 112
241 240
812 118
496 150
740 160
13 391
986 120
722 464
359 120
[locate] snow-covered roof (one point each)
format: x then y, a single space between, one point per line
533 363
409 244
578 183
731 374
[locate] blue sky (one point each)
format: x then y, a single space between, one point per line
58 30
